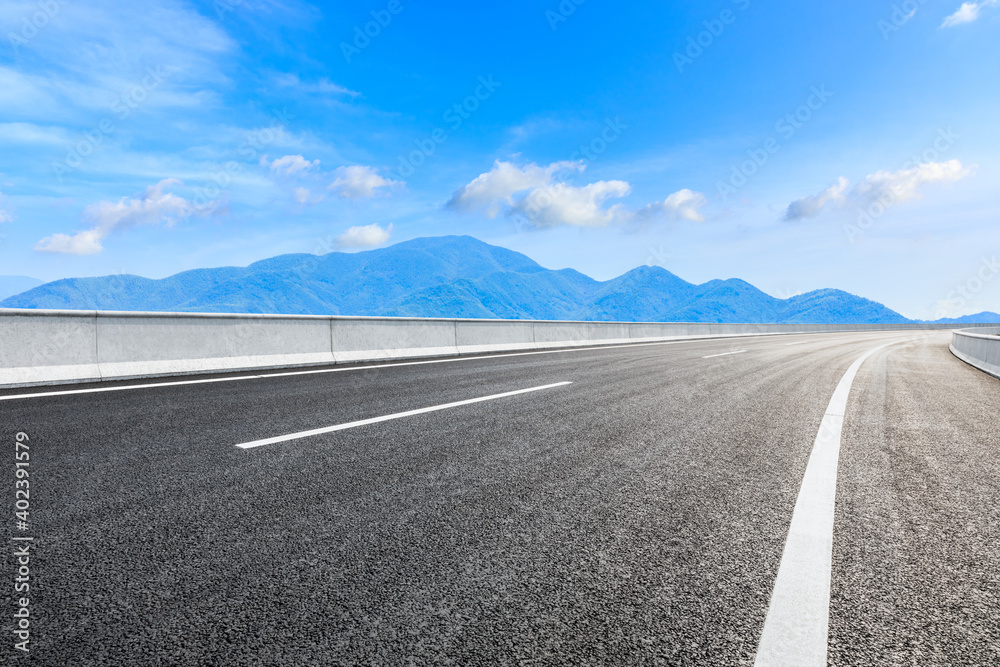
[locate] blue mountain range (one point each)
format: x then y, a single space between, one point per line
450 276
11 285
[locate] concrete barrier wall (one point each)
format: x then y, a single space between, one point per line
166 345
479 336
39 347
374 338
979 347
568 334
50 347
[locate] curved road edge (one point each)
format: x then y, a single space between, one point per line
980 349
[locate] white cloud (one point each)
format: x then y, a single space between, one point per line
967 13
154 206
887 187
91 54
360 182
305 197
87 242
534 193
323 86
354 182
905 183
35 135
534 128
368 236
499 185
684 204
810 206
289 165
562 204
5 216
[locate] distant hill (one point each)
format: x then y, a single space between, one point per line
450 276
11 285
985 317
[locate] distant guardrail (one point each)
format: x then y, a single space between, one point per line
978 347
62 346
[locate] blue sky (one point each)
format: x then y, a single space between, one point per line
794 145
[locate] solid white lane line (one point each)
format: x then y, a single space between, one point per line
98 390
398 415
724 354
151 385
798 616
342 369
351 368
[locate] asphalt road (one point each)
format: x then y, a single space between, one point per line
635 516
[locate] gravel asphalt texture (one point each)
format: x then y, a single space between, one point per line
916 569
636 516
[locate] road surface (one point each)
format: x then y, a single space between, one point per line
632 509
